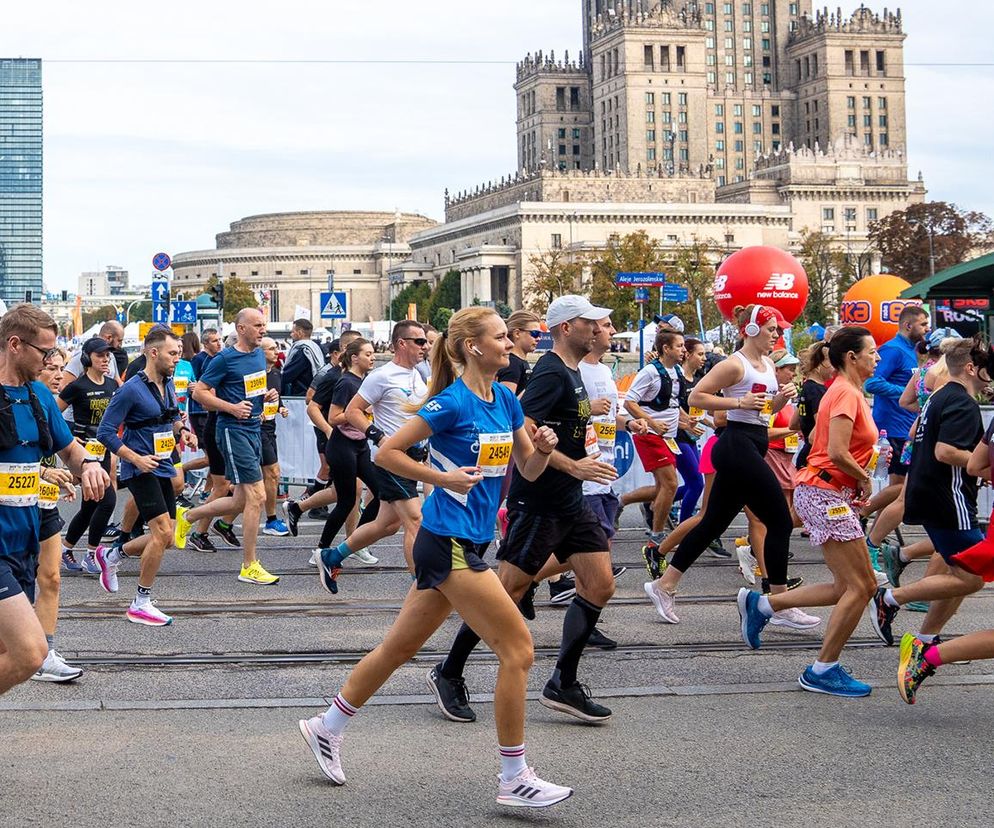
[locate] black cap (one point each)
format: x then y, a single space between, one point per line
96 345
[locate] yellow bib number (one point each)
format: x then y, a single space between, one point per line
672 445
181 384
270 410
696 413
96 449
255 384
19 484
48 495
791 443
495 454
838 511
607 433
767 410
165 442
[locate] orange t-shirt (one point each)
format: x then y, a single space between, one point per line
842 399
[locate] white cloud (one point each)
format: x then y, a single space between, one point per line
147 156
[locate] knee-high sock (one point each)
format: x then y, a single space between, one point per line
455 662
581 617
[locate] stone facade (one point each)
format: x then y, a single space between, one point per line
288 257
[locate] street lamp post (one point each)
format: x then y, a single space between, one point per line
931 243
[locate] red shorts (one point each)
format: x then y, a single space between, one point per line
653 452
979 559
706 466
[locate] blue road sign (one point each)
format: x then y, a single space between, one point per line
160 313
639 279
642 294
160 291
334 305
184 313
675 293
161 261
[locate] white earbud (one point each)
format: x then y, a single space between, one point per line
476 350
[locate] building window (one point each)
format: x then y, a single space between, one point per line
710 60
866 102
747 43
650 135
764 27
868 139
562 133
757 146
279 273
253 273
576 149
712 77
739 146
719 163
730 78
871 214
719 145
867 121
684 135
709 24
650 117
747 60
739 164
828 214
737 110
766 44
650 98
557 241
848 61
648 57
356 271
650 154
562 149
881 103
709 41
849 213
851 102
775 128
883 139
684 154
737 128
757 110
775 111
719 127
681 99
727 8
746 25
729 25
729 42
682 117
719 110
851 122
883 121
721 181
792 8
667 117
757 128
764 9
666 98
881 65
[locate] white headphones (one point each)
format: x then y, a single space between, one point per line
752 327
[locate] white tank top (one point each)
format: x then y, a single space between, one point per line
758 382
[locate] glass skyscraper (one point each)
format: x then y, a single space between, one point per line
20 180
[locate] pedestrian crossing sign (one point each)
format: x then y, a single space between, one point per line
334 305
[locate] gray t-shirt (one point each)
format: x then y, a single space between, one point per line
75 366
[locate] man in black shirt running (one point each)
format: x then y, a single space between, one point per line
550 517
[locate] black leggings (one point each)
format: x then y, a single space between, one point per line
348 459
92 517
742 478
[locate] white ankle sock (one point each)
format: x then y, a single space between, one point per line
889 599
338 716
512 761
764 606
902 557
821 667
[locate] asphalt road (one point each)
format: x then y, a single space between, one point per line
196 723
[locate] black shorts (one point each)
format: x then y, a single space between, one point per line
153 496
393 487
436 556
532 538
270 456
17 576
215 459
322 440
897 449
51 523
199 423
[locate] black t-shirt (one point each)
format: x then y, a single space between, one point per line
137 364
89 401
688 386
324 388
518 371
345 389
938 494
555 397
274 379
807 406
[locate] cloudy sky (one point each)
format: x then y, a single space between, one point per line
326 105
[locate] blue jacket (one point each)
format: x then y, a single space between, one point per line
898 362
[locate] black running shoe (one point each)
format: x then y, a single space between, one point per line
600 641
293 514
574 700
562 590
618 571
112 532
318 514
527 602
717 549
647 515
655 563
792 583
882 615
200 542
226 532
450 695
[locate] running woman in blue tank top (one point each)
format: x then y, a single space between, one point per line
475 427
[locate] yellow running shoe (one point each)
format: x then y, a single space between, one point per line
254 573
183 527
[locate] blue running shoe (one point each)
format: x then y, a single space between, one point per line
752 619
69 562
835 682
90 565
328 571
276 527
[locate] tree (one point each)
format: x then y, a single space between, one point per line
237 296
447 294
417 293
554 273
635 253
102 314
830 273
693 266
903 238
440 318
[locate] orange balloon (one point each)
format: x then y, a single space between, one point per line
873 303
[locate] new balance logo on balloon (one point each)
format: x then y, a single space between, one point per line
780 281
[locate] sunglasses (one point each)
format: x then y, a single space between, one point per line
536 334
420 341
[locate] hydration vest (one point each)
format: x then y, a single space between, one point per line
662 399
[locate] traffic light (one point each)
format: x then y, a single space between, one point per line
216 293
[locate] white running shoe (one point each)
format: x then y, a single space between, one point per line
663 601
364 557
315 559
108 570
325 746
526 790
747 563
882 578
149 614
55 669
795 618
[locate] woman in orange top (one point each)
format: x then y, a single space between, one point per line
829 491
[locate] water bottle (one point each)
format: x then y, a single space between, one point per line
880 457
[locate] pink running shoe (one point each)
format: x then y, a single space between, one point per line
108 571
149 615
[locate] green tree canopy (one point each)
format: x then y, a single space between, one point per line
415 292
830 273
237 296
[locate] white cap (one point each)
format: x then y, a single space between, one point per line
674 321
565 308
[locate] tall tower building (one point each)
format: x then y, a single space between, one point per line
685 86
20 180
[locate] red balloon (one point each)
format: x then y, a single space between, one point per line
761 275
